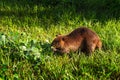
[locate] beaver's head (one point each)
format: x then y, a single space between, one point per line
58 44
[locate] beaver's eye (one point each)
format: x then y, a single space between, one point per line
58 48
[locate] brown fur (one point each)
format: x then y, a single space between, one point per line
82 39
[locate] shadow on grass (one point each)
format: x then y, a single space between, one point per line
54 12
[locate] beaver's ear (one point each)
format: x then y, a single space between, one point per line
64 38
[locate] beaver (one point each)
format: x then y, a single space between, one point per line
81 39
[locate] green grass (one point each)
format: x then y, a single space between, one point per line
27 28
